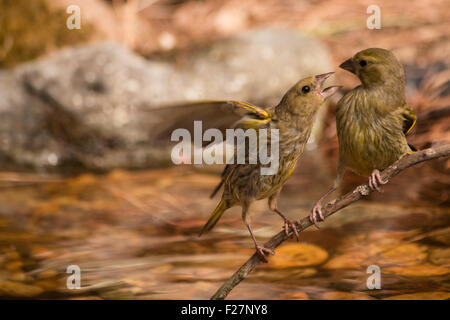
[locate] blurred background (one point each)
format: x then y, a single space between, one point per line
86 177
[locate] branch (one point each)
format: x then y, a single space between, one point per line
332 207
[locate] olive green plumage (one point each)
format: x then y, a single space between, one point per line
373 118
294 118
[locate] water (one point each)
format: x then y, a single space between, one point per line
134 236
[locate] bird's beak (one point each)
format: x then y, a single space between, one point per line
348 65
328 92
320 78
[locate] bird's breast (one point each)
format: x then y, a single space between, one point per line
368 140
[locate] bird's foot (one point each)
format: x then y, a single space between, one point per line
261 251
316 214
375 180
290 224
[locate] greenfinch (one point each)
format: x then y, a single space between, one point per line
372 120
293 117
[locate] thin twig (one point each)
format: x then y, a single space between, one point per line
332 207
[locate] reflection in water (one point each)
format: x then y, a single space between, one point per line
134 236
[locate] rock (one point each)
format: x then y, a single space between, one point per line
440 256
408 253
350 260
14 265
100 106
48 285
17 289
270 275
426 270
46 274
17 276
298 255
443 238
41 253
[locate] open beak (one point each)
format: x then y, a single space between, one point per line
327 92
320 78
348 65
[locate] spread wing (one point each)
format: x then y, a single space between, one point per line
256 117
220 114
254 110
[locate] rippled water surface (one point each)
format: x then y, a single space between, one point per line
134 236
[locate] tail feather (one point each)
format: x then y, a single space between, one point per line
218 212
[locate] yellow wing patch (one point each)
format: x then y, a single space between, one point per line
252 108
410 119
412 126
290 171
250 123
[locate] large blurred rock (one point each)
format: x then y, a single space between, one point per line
101 106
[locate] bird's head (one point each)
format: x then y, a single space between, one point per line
375 66
307 95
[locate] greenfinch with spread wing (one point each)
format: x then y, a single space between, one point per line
293 117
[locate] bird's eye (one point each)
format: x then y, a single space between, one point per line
306 89
363 63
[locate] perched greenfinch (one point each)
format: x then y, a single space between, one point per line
293 117
372 120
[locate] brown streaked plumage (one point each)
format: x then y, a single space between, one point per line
293 117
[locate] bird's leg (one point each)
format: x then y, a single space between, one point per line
260 250
288 223
316 212
375 179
